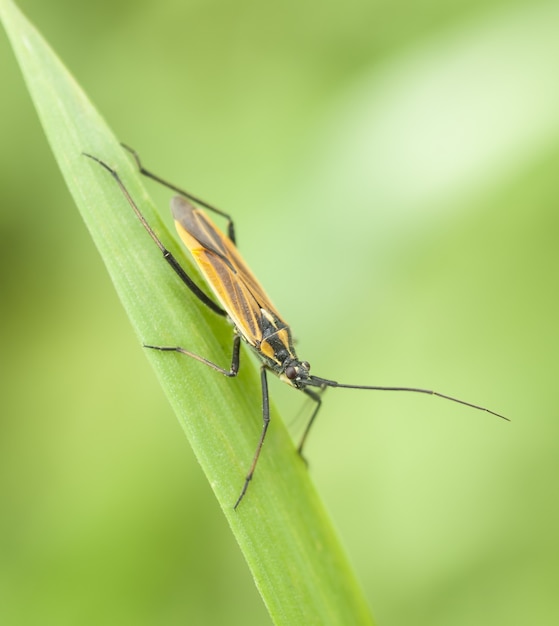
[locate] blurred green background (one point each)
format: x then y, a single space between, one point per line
393 171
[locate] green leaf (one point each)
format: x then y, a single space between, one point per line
281 526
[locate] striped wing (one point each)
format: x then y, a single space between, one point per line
225 271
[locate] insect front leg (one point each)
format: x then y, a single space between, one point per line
316 396
265 424
235 357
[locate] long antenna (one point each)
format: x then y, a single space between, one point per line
323 382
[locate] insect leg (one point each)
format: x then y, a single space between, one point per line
168 256
235 357
265 423
182 192
314 395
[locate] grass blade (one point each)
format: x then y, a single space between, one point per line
282 529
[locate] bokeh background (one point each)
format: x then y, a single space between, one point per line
394 172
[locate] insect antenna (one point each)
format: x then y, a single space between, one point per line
323 382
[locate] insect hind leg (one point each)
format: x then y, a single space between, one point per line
148 174
167 255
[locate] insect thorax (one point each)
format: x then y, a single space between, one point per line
276 345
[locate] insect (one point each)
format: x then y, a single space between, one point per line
241 298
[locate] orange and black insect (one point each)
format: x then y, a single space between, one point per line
241 298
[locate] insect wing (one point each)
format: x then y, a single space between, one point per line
225 271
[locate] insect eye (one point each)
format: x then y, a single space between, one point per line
290 372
